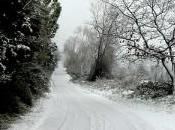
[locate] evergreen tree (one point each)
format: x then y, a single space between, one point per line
27 54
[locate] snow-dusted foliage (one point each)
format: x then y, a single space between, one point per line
27 54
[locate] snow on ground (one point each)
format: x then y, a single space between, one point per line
112 89
69 107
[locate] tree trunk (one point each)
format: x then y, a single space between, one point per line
92 76
96 70
170 74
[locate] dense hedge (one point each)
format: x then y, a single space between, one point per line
27 54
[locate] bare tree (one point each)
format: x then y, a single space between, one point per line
103 24
147 28
80 52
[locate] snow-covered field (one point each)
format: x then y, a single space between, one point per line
70 107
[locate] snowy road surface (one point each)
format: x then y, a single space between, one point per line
72 108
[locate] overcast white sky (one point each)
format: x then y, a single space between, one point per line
74 13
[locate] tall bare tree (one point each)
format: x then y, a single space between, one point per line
103 23
147 28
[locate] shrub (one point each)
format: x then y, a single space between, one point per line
154 89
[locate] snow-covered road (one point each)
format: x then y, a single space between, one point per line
71 108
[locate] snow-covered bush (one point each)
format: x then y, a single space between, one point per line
154 89
129 74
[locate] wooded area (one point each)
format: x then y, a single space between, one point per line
132 40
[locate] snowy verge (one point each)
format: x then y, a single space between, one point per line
112 90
